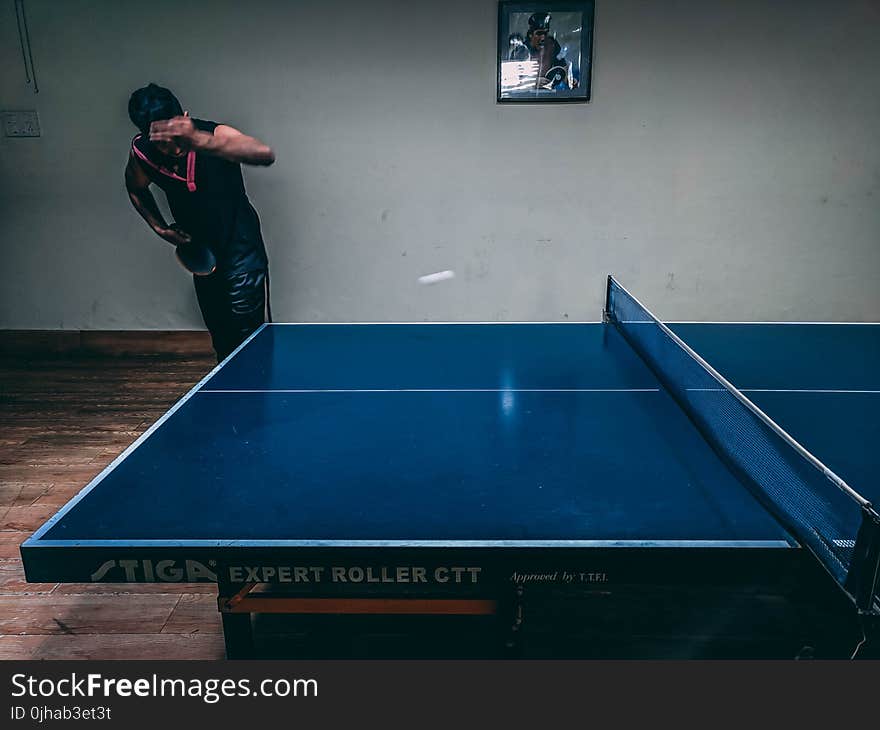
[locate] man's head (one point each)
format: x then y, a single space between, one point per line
151 104
539 27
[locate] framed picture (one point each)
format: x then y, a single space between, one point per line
545 51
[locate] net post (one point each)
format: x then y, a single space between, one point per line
863 576
606 307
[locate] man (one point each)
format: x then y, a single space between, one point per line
197 164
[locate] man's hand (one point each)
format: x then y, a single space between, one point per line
174 234
178 130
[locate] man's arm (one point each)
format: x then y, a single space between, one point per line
226 142
138 186
229 143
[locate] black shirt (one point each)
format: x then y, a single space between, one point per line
207 199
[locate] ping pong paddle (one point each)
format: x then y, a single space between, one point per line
196 258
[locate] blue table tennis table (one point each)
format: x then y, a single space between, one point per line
550 478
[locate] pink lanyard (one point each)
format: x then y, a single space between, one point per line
190 178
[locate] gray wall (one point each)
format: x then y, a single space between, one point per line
727 167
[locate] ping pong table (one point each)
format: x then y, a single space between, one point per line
651 489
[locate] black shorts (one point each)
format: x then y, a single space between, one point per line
232 307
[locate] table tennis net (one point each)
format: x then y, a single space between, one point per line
813 503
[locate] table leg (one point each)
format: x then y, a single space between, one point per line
238 635
510 616
237 627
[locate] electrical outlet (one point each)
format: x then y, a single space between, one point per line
21 124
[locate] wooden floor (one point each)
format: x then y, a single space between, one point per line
63 418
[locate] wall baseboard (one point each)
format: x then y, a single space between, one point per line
194 343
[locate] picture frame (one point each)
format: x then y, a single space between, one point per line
545 52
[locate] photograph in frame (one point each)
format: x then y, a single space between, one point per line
545 51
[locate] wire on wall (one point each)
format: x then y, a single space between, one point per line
24 38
